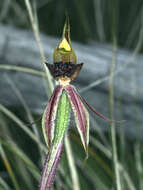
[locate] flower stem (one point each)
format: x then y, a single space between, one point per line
72 166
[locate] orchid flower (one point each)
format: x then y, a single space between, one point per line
55 121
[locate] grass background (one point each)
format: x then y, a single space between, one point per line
90 20
116 22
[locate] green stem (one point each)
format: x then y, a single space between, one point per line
114 19
72 167
37 37
138 162
112 128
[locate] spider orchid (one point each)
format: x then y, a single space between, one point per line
55 119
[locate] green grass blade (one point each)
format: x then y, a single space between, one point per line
11 146
4 185
37 37
28 112
9 168
23 69
22 126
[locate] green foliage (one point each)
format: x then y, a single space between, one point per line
22 147
90 20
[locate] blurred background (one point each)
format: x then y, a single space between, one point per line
90 21
108 37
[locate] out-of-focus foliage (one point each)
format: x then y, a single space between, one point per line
90 20
22 149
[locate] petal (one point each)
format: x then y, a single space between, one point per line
81 115
49 116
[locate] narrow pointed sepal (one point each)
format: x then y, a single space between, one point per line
66 30
81 115
49 116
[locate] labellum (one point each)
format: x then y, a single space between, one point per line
65 97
